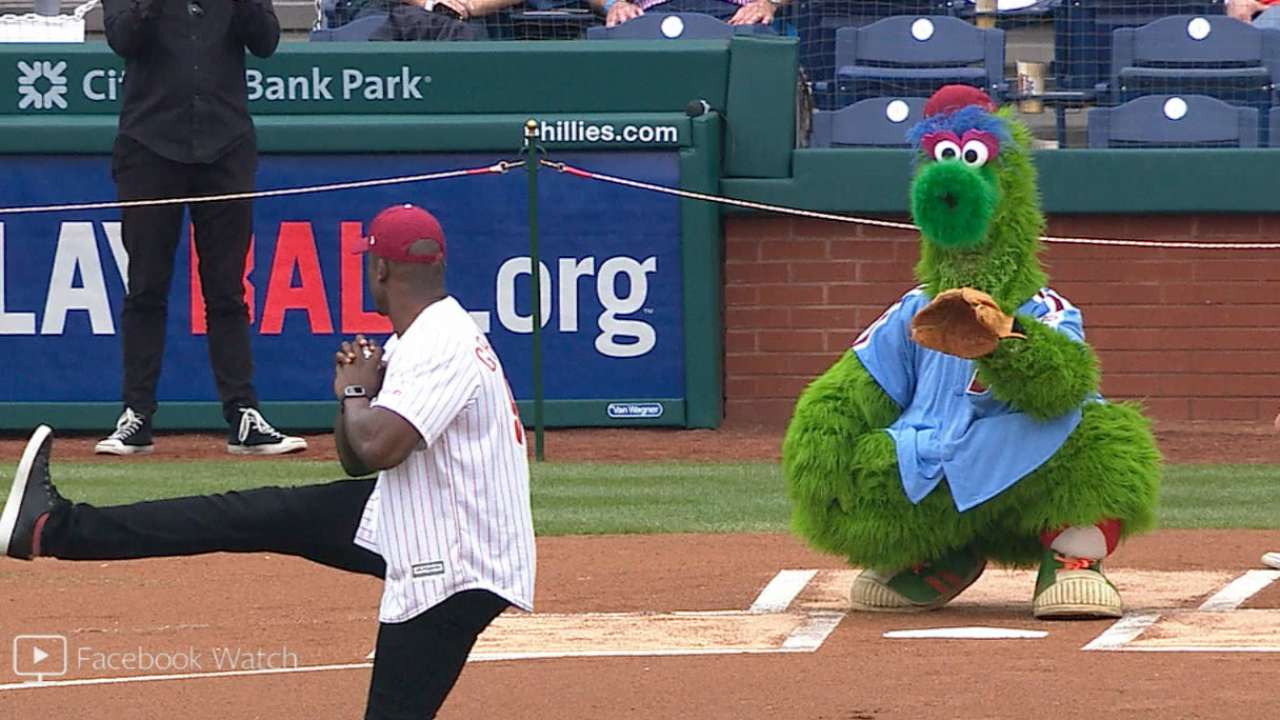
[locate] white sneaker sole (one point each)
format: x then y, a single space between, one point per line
115 447
1272 559
9 518
288 445
1078 595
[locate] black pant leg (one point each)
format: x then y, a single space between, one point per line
223 231
417 662
317 522
150 238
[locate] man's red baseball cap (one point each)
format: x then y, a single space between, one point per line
395 230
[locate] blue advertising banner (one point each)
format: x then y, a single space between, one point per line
611 278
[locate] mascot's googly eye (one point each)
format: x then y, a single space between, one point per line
946 150
977 148
975 153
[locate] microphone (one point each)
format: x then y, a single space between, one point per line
696 108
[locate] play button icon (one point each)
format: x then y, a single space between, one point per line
39 656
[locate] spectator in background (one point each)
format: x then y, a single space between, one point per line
734 12
1264 14
426 19
185 130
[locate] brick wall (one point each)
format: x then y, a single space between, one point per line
1194 333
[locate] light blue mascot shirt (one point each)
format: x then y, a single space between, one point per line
951 427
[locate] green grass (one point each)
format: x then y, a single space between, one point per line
579 498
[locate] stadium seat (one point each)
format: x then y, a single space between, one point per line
1083 28
1206 55
1155 121
675 26
354 31
818 20
542 20
914 55
874 122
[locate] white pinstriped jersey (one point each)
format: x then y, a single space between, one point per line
455 514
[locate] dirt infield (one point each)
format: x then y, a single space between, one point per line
599 597
324 617
1181 442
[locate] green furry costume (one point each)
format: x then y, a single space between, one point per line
980 224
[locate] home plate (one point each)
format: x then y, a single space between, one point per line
966 633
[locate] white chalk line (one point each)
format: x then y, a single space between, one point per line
80 682
782 590
1123 631
1198 648
1239 590
1128 628
813 632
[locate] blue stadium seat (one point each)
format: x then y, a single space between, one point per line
915 55
542 20
1207 55
1156 121
874 122
675 26
1082 33
818 20
354 31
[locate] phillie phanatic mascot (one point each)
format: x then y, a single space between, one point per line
965 425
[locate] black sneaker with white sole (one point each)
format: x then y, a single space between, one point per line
31 497
131 437
253 435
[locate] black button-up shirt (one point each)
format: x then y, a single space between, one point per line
184 90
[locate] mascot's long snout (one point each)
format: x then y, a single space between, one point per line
953 204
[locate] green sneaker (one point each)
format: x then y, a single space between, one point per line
1074 589
927 586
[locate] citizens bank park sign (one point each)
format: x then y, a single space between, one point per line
94 83
42 85
611 288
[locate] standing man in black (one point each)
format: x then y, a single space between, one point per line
185 130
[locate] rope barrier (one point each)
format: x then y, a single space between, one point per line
783 210
503 167
497 168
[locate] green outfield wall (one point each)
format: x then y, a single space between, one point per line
450 98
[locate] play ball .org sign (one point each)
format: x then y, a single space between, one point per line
611 301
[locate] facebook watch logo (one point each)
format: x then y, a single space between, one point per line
41 85
40 656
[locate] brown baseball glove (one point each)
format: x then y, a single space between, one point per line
963 322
